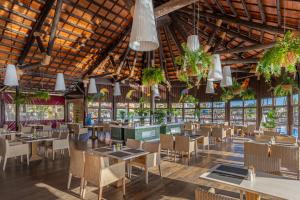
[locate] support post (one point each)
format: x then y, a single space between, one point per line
227 112
258 105
169 119
152 107
85 105
66 111
17 119
114 108
2 110
289 115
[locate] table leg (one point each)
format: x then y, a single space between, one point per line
34 152
241 194
93 137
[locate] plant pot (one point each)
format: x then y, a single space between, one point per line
287 87
290 59
237 91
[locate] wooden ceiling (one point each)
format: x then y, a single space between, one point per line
92 36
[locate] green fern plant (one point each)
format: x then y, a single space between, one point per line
247 94
227 95
286 87
152 76
41 95
270 119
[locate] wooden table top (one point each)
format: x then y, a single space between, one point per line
124 154
266 184
37 139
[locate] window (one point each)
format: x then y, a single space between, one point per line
122 111
177 109
236 113
93 109
35 112
218 112
205 113
189 111
295 102
250 112
106 111
281 113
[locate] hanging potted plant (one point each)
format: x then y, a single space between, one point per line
227 95
42 95
152 76
284 54
193 64
187 98
175 113
236 87
247 94
286 87
20 99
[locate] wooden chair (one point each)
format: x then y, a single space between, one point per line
59 144
183 145
271 133
206 195
76 167
8 150
263 138
149 161
257 156
285 139
188 126
134 144
204 142
167 143
98 174
205 131
218 133
289 156
79 131
249 130
26 130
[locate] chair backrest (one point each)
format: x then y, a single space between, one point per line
285 139
271 133
205 195
256 149
250 129
218 132
182 143
289 155
26 129
5 127
47 127
205 130
106 127
188 126
167 142
263 138
77 161
134 144
3 146
153 147
92 167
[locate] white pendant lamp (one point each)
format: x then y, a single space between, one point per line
227 78
215 74
92 87
11 77
60 82
193 43
143 33
155 91
117 90
210 87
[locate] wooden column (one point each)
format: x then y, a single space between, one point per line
114 108
66 111
258 104
17 110
227 112
85 105
289 115
152 107
2 110
169 119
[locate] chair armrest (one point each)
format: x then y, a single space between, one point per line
152 159
112 173
192 146
60 143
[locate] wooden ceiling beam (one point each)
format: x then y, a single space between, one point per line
251 24
279 17
262 12
171 31
229 2
247 13
172 6
36 28
220 7
246 48
240 61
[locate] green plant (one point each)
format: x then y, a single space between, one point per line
122 114
41 95
193 63
187 98
247 94
285 53
159 115
286 87
20 99
152 76
174 112
270 119
227 95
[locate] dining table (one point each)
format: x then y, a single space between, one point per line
33 141
274 186
94 128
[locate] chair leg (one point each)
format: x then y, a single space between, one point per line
21 159
189 158
159 168
53 154
100 193
84 189
124 183
146 175
0 159
81 187
69 181
27 159
4 164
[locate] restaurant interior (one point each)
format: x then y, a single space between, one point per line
149 99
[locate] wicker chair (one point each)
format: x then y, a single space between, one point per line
134 144
218 133
249 130
59 144
76 167
97 173
263 138
167 143
205 131
271 133
79 131
149 161
285 139
183 145
188 126
257 155
206 195
26 129
289 156
8 150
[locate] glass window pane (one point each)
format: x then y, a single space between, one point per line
295 121
219 104
250 103
10 112
267 102
189 114
236 103
189 105
206 105
250 116
295 99
219 116
236 116
161 105
205 115
176 105
280 101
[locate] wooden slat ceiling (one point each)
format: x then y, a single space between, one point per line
93 35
